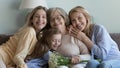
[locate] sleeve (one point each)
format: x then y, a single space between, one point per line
85 57
82 48
84 53
102 43
46 56
25 42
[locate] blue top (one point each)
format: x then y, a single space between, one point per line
104 47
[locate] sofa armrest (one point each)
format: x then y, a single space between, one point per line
116 38
4 38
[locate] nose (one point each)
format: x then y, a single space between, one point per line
77 22
56 21
57 42
40 18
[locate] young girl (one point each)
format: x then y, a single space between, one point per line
22 43
51 39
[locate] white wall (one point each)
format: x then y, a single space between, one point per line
105 12
11 18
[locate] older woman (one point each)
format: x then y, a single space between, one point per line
71 47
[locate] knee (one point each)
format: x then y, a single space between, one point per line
104 65
92 64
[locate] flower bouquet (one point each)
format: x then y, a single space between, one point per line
57 59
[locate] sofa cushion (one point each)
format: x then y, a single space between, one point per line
116 38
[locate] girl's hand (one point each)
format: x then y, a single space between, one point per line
75 59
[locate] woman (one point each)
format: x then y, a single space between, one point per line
70 47
22 43
96 38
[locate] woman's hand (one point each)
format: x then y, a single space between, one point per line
75 59
76 33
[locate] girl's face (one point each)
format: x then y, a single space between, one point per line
39 19
56 41
57 20
78 20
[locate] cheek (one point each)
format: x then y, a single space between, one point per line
74 24
34 20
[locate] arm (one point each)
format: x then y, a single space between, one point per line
84 53
102 42
100 45
26 42
81 36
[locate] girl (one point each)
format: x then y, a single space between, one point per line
96 38
51 39
22 43
71 46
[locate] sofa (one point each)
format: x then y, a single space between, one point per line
114 36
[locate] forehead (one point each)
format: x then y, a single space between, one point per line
76 14
40 11
57 36
55 13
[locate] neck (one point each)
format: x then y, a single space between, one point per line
64 31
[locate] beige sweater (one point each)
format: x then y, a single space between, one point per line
21 44
72 46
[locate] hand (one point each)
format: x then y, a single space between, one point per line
76 32
81 36
75 59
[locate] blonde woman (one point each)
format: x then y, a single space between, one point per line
96 38
22 43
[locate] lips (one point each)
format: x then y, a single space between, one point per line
79 27
40 23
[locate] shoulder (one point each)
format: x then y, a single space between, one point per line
99 28
100 31
27 31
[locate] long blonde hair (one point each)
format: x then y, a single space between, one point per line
31 14
88 28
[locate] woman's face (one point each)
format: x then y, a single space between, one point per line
56 41
57 20
78 20
39 19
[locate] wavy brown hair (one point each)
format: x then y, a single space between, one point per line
44 44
